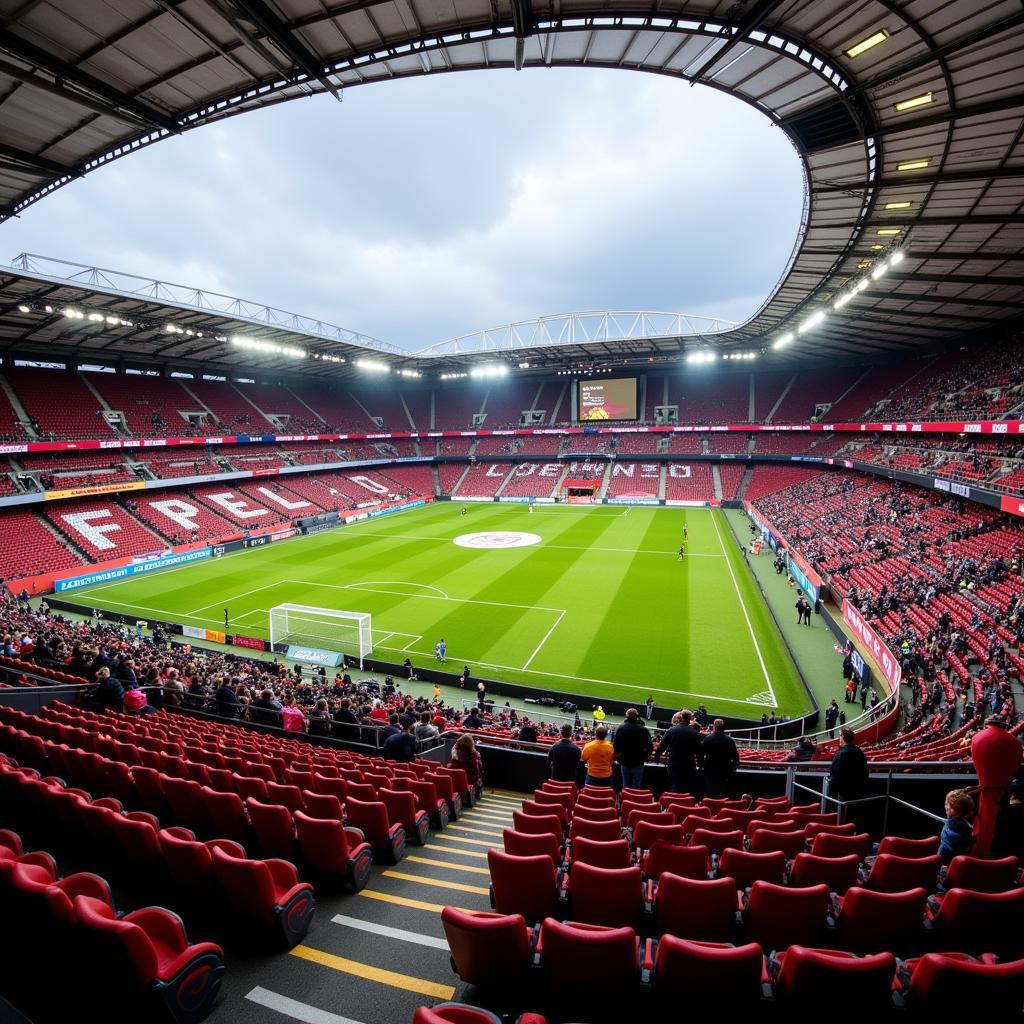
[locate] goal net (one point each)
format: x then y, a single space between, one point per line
344 632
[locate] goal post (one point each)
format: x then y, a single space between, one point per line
329 628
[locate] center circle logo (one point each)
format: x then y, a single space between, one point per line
497 539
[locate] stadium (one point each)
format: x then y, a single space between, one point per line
593 661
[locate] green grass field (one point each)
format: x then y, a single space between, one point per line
601 605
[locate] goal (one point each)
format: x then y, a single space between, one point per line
326 628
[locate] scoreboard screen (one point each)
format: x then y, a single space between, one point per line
613 399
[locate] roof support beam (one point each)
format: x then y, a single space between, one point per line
939 117
910 180
27 51
37 163
944 300
747 23
272 26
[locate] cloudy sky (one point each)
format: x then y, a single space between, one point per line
419 210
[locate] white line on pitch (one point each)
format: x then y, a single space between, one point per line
294 1009
412 643
743 608
236 597
544 641
390 933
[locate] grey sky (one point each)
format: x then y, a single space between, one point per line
421 209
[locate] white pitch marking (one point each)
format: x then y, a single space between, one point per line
394 583
743 608
224 602
390 933
543 642
293 1008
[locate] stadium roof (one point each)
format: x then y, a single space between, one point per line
909 118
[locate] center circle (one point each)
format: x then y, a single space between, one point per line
497 539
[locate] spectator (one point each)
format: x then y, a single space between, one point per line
721 759
682 742
425 730
465 756
320 719
528 731
227 699
804 750
393 727
598 755
346 721
400 746
957 834
174 691
633 746
848 773
292 718
564 757
266 709
108 692
472 720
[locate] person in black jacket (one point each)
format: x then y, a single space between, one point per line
564 757
265 709
227 700
721 759
848 773
346 721
108 691
682 742
633 746
400 746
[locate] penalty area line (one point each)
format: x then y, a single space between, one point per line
545 640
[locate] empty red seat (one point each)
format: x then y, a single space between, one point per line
385 836
328 848
708 972
828 844
522 844
148 951
537 810
563 799
461 1013
646 834
574 956
981 875
778 916
945 983
593 812
322 805
717 842
838 873
613 853
871 922
607 896
980 922
691 908
428 800
892 873
266 894
272 825
812 978
747 868
401 807
523 885
585 828
901 847
227 813
185 798
789 844
686 861
548 824
487 950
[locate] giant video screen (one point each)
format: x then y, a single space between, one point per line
613 399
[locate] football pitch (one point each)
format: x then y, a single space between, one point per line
595 601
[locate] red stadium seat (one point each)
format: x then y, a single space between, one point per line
608 896
487 950
536 810
646 834
838 873
685 861
768 841
747 868
870 922
811 978
892 873
708 972
573 955
777 916
717 842
272 825
523 885
945 983
695 908
386 837
600 830
522 844
401 807
461 1013
981 875
901 847
328 848
549 824
826 844
979 922
613 853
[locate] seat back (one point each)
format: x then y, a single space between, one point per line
871 922
549 824
272 825
900 847
945 984
585 828
120 945
982 875
717 842
575 954
597 812
523 844
811 978
778 916
700 909
892 873
651 817
187 859
646 834
768 840
686 861
827 844
981 922
607 896
707 972
488 950
537 810
838 873
323 805
694 821
612 853
747 868
523 885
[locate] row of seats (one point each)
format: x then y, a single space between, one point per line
265 895
583 962
149 968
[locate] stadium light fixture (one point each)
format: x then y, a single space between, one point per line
896 258
96 317
913 165
409 373
524 366
328 359
869 43
915 101
879 270
267 347
861 284
24 309
877 246
458 376
373 366
48 309
814 320
889 231
489 372
784 340
899 204
701 357
842 300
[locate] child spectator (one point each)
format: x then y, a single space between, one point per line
957 835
